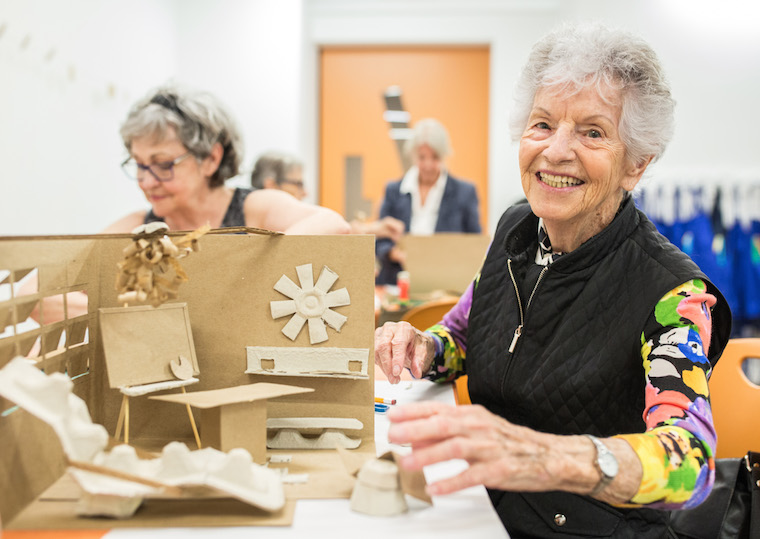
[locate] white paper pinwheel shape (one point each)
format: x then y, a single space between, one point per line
310 303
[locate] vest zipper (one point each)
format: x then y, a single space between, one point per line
518 329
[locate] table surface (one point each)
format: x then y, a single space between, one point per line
467 513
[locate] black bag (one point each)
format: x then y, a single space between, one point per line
732 510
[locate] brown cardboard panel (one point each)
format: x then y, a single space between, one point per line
76 331
443 262
51 338
241 424
65 488
7 352
78 360
154 513
233 395
141 342
54 362
6 318
26 342
24 309
32 459
327 477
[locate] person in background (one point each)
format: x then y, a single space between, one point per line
588 339
280 170
183 145
427 199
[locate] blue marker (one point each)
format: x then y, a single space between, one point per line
381 408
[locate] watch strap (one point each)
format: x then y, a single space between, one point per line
605 479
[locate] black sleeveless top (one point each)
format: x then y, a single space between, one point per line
235 215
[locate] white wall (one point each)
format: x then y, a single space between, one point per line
59 115
248 53
70 71
59 145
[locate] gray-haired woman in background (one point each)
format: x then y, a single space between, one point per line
182 147
427 199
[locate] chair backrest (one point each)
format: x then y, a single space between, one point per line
735 400
426 314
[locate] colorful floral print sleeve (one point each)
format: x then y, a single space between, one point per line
677 450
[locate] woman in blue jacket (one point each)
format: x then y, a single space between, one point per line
427 199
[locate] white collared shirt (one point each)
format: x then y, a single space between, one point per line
424 217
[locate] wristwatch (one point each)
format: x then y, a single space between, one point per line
605 462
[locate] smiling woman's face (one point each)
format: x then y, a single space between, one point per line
572 160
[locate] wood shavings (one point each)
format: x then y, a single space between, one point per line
150 271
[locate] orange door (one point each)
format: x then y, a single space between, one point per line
446 83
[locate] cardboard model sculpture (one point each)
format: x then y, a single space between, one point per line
228 298
116 482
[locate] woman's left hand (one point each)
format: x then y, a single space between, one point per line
500 454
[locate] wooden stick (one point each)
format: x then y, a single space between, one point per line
120 421
192 421
103 470
126 420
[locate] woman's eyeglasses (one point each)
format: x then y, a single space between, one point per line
296 183
163 172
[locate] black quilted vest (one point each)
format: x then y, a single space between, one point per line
576 367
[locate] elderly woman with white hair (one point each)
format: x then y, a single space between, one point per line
427 199
587 338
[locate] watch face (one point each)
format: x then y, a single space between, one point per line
608 464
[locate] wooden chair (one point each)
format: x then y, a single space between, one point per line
431 312
425 315
461 393
736 400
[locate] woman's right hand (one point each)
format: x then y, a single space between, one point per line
398 345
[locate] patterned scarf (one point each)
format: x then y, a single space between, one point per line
545 255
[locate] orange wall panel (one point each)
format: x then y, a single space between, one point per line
447 83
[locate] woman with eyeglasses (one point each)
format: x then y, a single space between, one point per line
182 147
